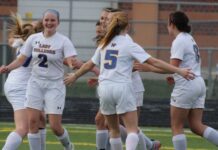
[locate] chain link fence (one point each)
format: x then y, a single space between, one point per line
148 28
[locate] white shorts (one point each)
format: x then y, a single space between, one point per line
46 94
190 94
16 95
116 98
139 98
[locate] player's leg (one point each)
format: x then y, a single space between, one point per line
113 125
130 121
151 145
178 118
102 134
42 130
15 138
196 125
59 131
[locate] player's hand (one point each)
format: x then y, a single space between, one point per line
141 67
4 69
69 79
187 73
170 80
92 82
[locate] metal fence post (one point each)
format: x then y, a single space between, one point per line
209 79
4 50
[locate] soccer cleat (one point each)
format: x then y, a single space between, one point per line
70 147
156 145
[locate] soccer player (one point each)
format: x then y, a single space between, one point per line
116 55
187 97
16 84
46 88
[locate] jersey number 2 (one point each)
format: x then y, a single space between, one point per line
111 59
43 59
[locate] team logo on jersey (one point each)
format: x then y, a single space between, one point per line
37 42
113 44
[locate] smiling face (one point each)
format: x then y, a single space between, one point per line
50 22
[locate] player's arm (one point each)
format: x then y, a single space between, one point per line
72 77
19 61
75 63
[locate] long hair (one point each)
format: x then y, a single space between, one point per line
19 29
118 23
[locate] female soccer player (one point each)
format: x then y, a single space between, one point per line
46 88
188 97
116 55
16 84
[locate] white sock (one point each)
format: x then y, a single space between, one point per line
142 142
65 140
132 141
43 138
116 144
13 141
34 140
211 135
179 142
123 133
102 138
148 141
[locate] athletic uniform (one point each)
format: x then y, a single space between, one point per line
137 84
115 89
46 88
16 83
187 94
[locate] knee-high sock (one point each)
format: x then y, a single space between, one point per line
43 138
211 135
34 141
13 141
179 142
102 138
132 141
65 140
116 144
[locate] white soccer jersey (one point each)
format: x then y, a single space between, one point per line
116 59
137 82
48 54
185 48
22 74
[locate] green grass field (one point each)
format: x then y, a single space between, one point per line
83 136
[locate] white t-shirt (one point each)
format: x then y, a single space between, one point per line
48 54
185 49
22 74
116 59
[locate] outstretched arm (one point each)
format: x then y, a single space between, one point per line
72 77
75 63
168 68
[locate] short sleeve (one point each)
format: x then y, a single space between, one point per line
96 57
69 49
138 53
177 50
27 47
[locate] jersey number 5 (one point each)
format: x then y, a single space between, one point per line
111 59
43 60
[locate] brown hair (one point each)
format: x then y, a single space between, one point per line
118 23
18 29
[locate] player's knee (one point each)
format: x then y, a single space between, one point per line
100 122
22 131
